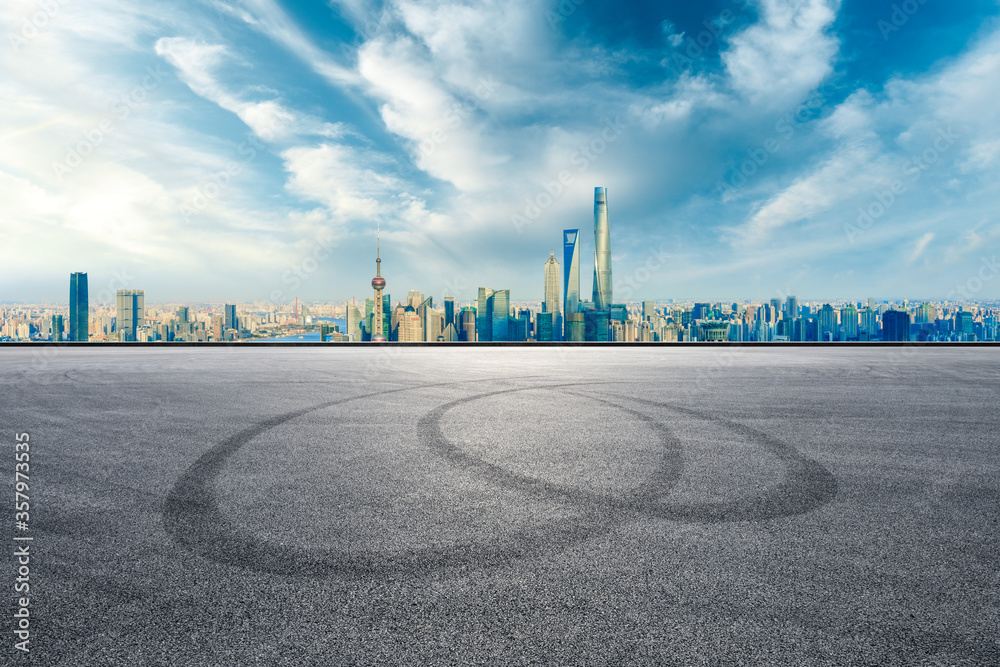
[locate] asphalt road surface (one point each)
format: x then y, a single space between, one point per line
351 505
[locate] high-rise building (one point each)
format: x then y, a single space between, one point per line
449 312
648 311
849 322
131 313
484 315
230 317
430 319
602 251
517 327
378 283
467 322
545 327
183 315
500 310
410 330
57 328
963 322
926 313
869 323
79 308
551 303
792 308
597 325
828 326
895 326
353 322
571 272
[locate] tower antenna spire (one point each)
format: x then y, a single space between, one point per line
378 283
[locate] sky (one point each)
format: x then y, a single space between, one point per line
209 150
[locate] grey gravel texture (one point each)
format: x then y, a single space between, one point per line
599 506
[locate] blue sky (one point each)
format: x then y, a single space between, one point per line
213 149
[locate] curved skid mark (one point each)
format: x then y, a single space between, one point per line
193 519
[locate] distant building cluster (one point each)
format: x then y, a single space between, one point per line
494 317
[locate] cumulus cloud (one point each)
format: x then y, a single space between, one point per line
787 54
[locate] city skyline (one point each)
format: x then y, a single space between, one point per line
222 153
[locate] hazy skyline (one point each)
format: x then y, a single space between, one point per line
227 151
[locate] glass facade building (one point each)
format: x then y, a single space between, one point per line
602 251
500 311
79 308
571 272
484 315
131 313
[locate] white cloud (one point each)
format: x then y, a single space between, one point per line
196 63
777 61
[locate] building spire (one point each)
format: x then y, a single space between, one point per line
378 283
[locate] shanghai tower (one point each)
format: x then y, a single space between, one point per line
602 251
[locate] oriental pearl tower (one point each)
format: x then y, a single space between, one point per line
378 282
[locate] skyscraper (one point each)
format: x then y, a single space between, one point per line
500 309
869 323
602 251
792 308
571 272
183 314
230 316
449 312
828 326
378 283
131 313
353 322
895 326
484 315
410 330
79 308
57 328
648 311
467 325
849 322
545 327
551 303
